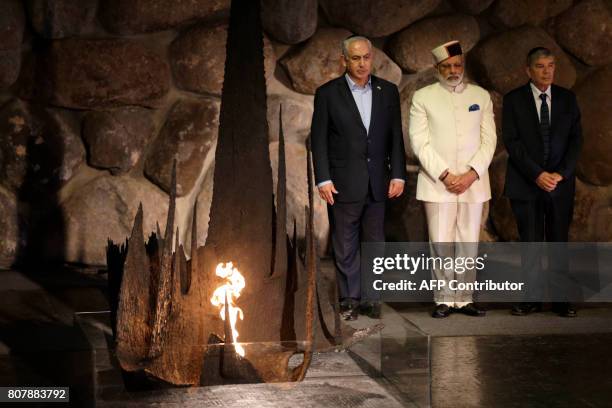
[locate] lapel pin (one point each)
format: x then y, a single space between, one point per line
378 87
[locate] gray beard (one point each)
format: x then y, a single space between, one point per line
448 83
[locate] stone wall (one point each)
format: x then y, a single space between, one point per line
98 97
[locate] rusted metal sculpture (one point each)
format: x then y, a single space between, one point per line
166 325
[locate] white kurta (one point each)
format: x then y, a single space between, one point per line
455 131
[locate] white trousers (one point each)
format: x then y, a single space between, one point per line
454 231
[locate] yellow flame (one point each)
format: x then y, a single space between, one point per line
234 283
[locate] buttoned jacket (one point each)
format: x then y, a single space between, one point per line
454 131
523 141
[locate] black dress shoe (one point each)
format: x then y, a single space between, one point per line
345 304
349 309
370 309
441 311
471 310
348 304
523 309
564 309
350 314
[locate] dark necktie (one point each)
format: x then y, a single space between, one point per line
545 126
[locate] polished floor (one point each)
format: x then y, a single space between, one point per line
522 371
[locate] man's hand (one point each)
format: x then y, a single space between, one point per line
396 188
548 181
327 191
558 177
449 179
459 184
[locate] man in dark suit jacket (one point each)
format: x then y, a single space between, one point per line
359 161
542 134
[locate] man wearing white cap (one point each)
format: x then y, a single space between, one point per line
452 132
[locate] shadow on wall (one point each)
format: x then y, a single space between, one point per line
42 347
42 227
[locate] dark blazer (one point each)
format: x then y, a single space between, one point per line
345 153
521 134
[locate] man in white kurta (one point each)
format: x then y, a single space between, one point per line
452 132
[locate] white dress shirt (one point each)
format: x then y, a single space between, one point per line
536 96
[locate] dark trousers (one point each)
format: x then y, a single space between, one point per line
353 223
545 219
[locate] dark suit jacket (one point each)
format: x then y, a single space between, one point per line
521 134
345 153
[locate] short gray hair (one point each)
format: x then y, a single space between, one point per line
348 41
536 53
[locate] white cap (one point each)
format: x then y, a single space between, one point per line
447 50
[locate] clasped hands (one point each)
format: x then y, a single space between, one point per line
548 181
458 184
